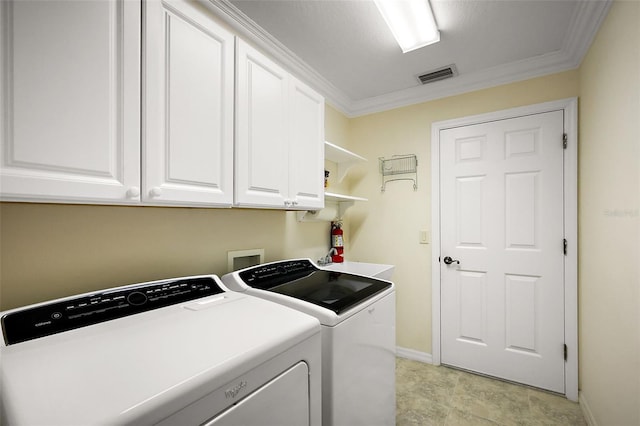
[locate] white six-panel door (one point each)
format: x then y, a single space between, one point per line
188 106
502 305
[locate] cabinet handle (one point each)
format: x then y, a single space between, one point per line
294 203
155 192
133 192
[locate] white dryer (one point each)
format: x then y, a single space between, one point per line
176 352
357 314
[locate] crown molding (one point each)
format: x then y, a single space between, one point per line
584 27
253 33
503 74
580 33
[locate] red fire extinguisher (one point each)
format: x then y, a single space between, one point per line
337 242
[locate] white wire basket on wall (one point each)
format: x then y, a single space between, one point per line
399 167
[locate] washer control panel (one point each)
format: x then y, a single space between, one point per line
68 314
266 276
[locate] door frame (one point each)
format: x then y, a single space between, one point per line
570 187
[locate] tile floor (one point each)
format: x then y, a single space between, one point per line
429 395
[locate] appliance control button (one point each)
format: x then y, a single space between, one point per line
136 298
56 315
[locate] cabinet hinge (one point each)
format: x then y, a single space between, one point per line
565 351
564 246
564 140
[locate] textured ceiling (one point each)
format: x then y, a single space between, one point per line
348 44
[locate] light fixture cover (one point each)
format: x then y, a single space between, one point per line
411 22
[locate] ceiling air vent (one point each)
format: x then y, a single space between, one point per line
439 74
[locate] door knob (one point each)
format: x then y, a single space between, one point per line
448 260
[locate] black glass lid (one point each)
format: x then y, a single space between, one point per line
300 279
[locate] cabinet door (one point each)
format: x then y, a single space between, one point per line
306 172
262 156
188 106
70 100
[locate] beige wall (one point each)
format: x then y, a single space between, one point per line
609 230
338 132
52 250
386 228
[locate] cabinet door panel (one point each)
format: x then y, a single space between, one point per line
306 147
261 130
70 81
188 146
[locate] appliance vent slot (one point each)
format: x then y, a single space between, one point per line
439 74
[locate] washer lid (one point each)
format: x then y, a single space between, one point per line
300 279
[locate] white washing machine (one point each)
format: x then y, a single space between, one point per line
177 352
357 314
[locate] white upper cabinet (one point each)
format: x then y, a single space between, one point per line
262 143
132 102
279 136
188 106
306 148
70 101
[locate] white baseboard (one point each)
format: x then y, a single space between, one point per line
414 355
586 410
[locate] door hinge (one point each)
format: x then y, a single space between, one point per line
565 351
564 140
564 245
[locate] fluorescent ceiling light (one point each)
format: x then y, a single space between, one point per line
411 22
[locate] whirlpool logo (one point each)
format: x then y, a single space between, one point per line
234 391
